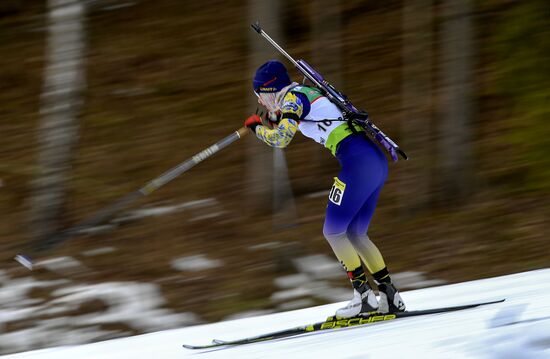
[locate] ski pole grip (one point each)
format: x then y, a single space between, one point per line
256 27
242 131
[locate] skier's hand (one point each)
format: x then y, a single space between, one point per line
253 121
273 117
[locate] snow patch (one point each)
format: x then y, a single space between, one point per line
99 251
125 301
137 305
296 304
291 281
59 264
414 280
195 263
164 210
291 294
319 266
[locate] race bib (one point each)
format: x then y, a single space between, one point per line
337 191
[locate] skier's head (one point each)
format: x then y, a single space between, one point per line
270 79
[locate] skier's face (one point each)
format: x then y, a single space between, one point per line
268 100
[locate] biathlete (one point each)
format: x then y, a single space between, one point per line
352 198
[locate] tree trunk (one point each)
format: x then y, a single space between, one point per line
417 104
260 158
61 102
326 48
283 206
456 106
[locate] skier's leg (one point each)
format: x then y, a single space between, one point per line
390 299
357 234
364 299
345 201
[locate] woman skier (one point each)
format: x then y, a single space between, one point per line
353 196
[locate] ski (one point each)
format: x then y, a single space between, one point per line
336 323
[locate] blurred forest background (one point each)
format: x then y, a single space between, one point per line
99 97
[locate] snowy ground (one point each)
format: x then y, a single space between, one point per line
37 313
517 328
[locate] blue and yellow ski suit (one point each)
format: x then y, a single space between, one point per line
364 168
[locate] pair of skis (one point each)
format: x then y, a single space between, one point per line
336 323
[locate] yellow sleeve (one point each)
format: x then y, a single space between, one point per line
281 135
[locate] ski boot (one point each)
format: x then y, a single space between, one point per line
364 299
390 300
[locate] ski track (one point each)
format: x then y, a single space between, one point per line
517 328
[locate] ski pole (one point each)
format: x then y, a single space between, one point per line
151 186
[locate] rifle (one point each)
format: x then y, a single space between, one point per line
349 112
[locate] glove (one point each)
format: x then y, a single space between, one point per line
274 117
253 121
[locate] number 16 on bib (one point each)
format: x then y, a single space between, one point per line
337 191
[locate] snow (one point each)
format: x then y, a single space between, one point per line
291 281
49 320
319 266
194 206
517 328
59 264
414 280
121 306
98 251
195 263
